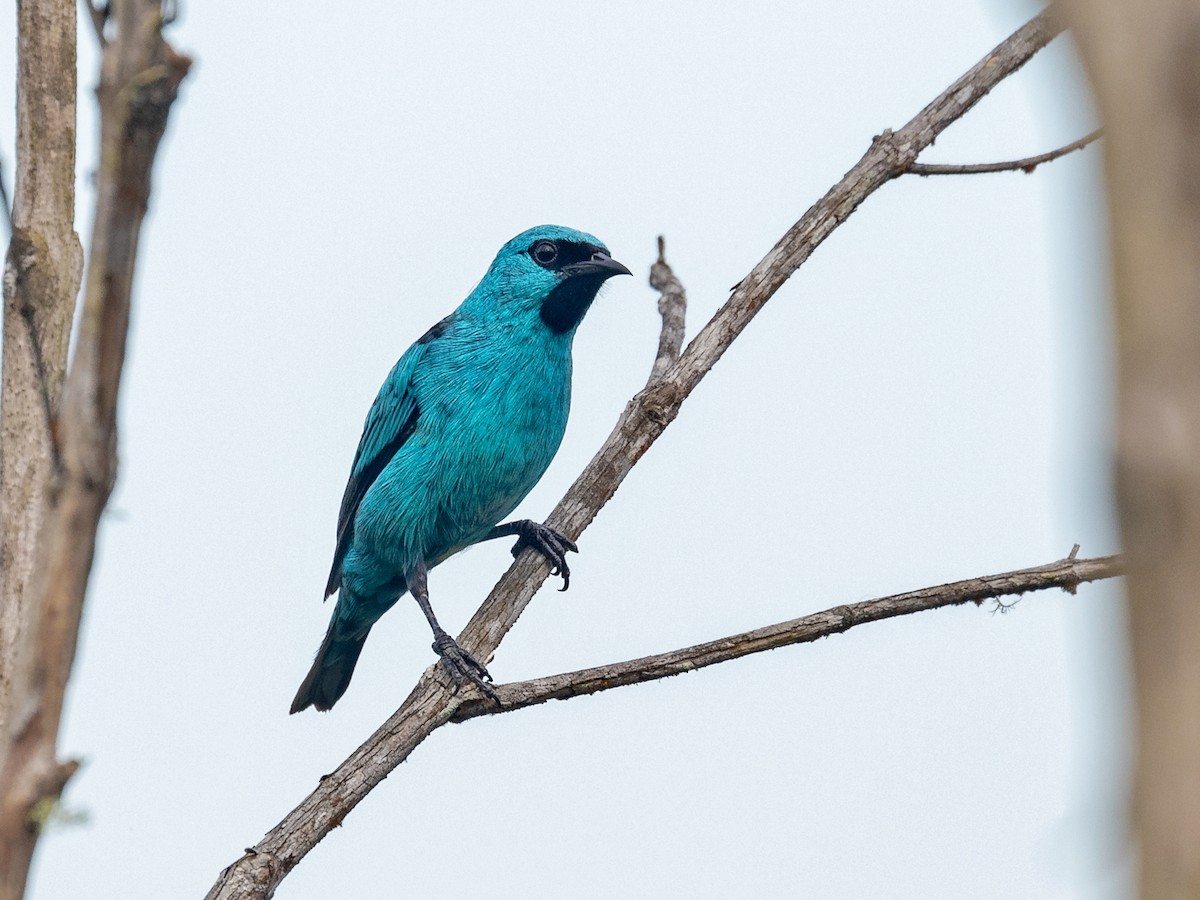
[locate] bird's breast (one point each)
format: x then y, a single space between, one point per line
502 431
488 427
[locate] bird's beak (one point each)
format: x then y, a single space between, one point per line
600 264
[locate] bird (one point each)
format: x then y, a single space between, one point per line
464 426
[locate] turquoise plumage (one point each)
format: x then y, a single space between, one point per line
463 427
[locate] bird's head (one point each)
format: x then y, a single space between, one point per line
550 271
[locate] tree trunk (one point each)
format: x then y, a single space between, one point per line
1143 58
41 279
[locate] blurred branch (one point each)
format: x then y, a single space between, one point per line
1026 165
140 77
1066 574
99 18
432 701
42 272
1143 62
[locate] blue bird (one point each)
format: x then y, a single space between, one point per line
464 426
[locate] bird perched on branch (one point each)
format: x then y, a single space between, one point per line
462 429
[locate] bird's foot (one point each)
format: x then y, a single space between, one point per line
463 667
552 544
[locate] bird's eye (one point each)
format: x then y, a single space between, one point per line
544 253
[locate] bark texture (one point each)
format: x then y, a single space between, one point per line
41 280
1066 574
1143 59
672 306
433 702
139 79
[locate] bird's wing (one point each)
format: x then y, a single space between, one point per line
390 422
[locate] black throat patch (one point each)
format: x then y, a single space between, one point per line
569 300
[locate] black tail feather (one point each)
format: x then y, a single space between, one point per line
330 674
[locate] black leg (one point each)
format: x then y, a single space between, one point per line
542 538
461 665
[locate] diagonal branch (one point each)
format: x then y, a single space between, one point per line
1026 165
432 702
1066 574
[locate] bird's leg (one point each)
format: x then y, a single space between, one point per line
545 540
461 665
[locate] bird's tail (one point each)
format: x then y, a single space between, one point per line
330 674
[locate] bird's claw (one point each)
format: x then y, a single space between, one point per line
463 667
551 544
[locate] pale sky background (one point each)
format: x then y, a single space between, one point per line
927 400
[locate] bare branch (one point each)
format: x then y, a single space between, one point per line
1026 165
433 702
139 80
672 306
1066 574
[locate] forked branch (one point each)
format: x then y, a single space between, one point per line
432 702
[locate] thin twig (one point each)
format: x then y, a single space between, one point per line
1026 165
1066 574
432 701
672 306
